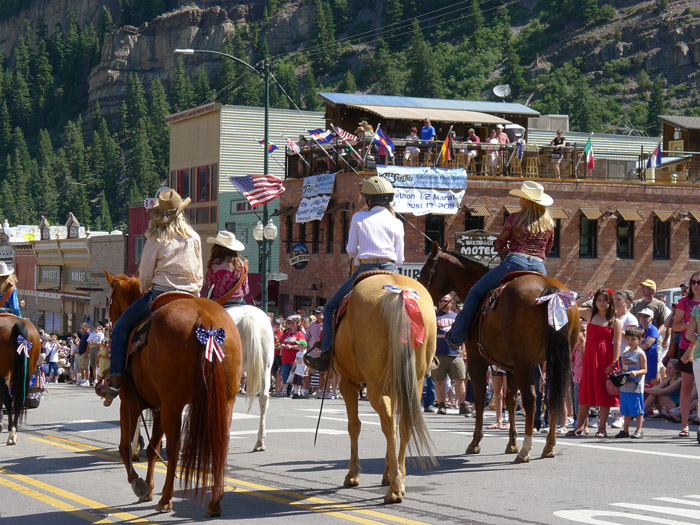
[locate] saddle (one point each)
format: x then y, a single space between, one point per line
344 303
7 314
489 305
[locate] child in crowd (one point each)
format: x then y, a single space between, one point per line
300 372
634 362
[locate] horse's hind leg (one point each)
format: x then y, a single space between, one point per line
217 491
548 450
6 400
524 381
350 391
512 446
264 402
477 373
384 407
171 420
151 454
128 418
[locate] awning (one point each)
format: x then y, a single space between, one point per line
478 210
512 209
558 213
438 115
695 215
337 206
592 214
630 215
664 215
284 210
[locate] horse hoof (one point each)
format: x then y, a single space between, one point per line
139 487
164 507
259 448
393 497
12 437
351 481
385 480
548 453
473 449
512 449
521 459
147 497
213 510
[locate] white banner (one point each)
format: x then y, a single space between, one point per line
316 193
421 190
424 201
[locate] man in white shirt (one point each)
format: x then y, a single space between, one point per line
94 343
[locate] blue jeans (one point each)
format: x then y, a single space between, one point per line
428 392
334 302
53 370
513 262
137 312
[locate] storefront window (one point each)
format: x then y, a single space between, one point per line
329 234
588 238
557 237
625 239
473 223
435 231
662 239
346 231
694 239
315 236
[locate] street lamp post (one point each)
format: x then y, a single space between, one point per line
266 242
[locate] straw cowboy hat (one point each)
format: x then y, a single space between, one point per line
168 205
533 191
227 240
365 127
5 270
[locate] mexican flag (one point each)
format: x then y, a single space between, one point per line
588 150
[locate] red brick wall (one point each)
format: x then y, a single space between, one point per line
326 271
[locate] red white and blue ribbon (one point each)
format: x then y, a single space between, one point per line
413 310
559 303
24 346
213 339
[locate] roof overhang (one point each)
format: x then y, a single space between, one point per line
437 115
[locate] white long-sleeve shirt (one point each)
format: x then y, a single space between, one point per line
177 264
376 234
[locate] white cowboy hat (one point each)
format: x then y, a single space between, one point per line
533 191
5 270
227 240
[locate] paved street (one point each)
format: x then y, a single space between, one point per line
65 469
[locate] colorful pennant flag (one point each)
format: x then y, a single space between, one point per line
445 151
588 150
381 139
270 148
293 146
321 136
655 159
344 134
258 189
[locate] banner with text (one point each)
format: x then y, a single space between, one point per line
423 190
315 195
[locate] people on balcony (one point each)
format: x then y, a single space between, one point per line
558 143
427 132
412 151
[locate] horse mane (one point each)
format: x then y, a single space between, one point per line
465 259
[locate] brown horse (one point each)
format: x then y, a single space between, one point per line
168 374
516 336
16 368
373 345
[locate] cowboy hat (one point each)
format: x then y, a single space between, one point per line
227 240
5 270
533 191
168 205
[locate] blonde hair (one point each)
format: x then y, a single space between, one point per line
7 281
164 231
535 218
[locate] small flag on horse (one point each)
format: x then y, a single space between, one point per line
213 339
24 346
559 303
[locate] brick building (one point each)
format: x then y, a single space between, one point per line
608 234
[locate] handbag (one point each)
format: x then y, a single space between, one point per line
614 381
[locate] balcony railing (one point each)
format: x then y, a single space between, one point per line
498 160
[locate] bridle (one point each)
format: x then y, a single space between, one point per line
108 306
434 260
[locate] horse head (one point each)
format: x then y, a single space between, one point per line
125 290
436 282
446 272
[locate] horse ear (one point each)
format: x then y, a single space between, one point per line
446 246
110 279
435 249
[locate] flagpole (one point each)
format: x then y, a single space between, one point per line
345 142
300 155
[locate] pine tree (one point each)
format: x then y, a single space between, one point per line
135 102
105 25
158 130
78 182
287 78
104 220
311 100
324 33
391 79
347 84
42 80
183 92
657 106
43 186
20 100
202 89
425 79
5 130
7 196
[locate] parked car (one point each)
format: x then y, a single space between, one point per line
672 295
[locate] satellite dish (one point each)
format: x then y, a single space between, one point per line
501 90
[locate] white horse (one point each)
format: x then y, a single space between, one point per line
258 341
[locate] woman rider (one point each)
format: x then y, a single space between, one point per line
171 262
375 242
527 236
225 269
8 290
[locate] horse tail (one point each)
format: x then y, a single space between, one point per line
205 429
558 364
252 357
401 381
20 374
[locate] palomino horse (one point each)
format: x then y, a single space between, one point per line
375 344
258 342
16 367
516 336
169 373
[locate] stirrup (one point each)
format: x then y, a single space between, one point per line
108 391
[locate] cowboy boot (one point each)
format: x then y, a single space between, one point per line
110 390
320 363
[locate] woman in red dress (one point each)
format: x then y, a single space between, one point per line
602 351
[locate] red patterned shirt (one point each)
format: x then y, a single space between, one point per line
516 239
224 276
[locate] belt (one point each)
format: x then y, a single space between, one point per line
376 261
160 288
531 257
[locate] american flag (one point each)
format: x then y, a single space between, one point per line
344 134
258 189
293 146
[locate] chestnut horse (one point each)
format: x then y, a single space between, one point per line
16 368
516 336
168 374
375 345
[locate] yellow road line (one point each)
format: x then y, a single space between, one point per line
324 506
88 516
76 498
